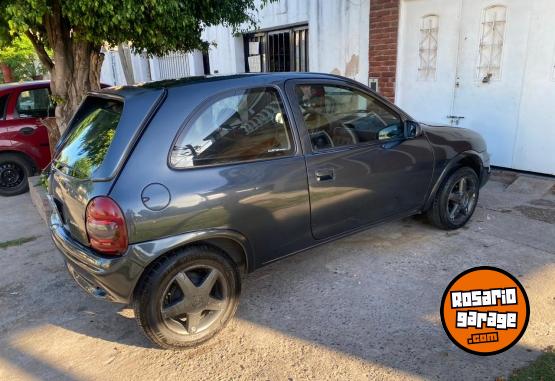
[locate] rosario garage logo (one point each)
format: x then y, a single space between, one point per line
485 310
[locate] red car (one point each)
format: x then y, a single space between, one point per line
24 148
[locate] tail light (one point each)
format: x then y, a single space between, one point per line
105 226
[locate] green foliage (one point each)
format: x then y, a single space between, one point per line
541 369
152 25
20 56
43 179
75 31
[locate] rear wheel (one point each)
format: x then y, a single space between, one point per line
187 297
456 200
14 172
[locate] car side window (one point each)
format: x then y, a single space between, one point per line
3 104
338 116
246 125
33 104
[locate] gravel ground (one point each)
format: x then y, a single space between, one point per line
364 307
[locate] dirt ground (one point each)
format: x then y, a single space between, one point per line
364 307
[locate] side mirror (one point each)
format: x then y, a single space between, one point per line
413 129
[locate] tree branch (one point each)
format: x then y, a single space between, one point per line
41 51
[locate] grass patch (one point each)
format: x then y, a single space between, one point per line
543 369
16 242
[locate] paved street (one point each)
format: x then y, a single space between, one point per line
364 307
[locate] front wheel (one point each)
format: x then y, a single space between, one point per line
187 297
14 172
455 200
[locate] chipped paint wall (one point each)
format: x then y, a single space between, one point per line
337 30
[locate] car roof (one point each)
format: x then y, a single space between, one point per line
24 85
257 78
270 77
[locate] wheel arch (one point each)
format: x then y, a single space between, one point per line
21 154
232 243
465 159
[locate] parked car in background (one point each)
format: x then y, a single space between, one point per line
24 147
164 194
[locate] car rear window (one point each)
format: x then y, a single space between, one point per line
89 137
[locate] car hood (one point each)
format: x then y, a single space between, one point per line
462 139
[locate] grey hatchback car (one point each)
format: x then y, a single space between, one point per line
165 194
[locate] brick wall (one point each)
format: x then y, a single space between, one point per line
382 60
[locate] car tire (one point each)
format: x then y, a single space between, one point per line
14 173
175 304
455 200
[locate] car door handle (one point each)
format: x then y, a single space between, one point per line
27 131
325 174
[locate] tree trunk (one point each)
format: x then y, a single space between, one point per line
6 72
73 77
76 67
53 133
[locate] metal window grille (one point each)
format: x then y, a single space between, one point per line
277 50
491 43
429 29
173 65
279 46
255 52
300 40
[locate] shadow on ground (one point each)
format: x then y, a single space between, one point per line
367 305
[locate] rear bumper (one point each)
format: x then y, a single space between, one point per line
113 279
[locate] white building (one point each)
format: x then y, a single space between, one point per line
329 36
488 65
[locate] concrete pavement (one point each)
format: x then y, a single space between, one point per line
364 307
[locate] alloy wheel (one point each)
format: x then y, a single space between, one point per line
462 199
194 299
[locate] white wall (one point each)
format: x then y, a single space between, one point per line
150 69
512 113
535 141
112 71
337 29
227 56
338 42
141 69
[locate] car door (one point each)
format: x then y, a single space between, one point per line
4 139
27 132
235 166
361 166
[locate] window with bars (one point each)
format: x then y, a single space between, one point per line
429 29
491 43
277 50
300 49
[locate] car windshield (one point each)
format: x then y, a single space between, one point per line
90 135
